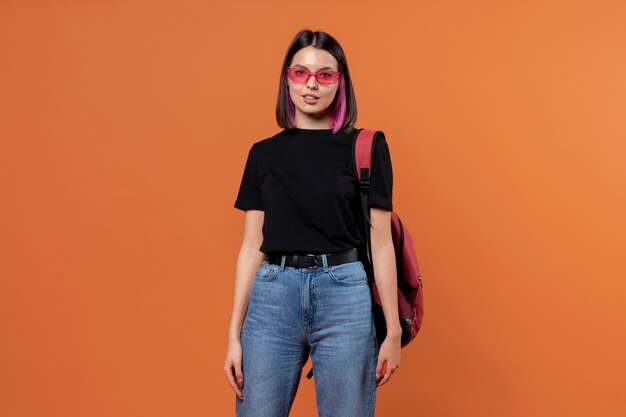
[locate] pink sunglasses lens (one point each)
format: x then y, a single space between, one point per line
327 77
298 75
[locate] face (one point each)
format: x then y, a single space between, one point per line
313 59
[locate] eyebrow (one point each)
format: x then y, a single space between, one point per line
325 68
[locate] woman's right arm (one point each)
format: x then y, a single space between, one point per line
248 261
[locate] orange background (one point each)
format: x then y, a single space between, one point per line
124 131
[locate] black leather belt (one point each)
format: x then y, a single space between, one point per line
312 261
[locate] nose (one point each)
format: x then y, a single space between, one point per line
311 82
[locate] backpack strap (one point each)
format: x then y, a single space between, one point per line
363 158
362 154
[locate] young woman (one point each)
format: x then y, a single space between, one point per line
300 287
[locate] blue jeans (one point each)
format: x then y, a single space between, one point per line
292 312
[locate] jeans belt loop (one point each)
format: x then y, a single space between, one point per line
325 262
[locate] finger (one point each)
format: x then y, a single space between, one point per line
238 374
380 368
393 369
231 381
384 380
233 384
390 372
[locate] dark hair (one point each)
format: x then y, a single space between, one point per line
343 111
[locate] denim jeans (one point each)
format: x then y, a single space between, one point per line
293 312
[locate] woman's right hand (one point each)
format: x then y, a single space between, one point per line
232 366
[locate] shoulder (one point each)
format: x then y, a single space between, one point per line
381 136
382 151
262 149
268 142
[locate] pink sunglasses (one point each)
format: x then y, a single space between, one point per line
302 75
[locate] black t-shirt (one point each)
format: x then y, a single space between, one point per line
305 182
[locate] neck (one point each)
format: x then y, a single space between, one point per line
305 121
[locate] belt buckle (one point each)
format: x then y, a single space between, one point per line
314 260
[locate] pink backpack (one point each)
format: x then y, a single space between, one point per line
410 292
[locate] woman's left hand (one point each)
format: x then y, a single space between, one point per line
388 359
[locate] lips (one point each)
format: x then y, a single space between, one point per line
310 98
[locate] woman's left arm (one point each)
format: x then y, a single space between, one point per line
384 261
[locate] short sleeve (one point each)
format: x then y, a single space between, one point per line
381 181
249 196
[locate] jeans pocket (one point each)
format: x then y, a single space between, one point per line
266 272
349 273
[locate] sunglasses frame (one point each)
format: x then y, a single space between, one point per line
336 75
